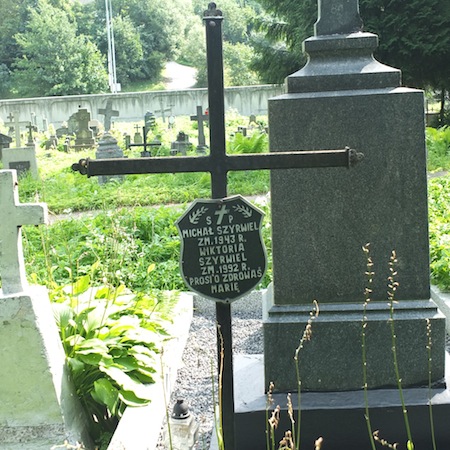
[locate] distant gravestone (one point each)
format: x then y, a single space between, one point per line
109 113
154 145
137 138
181 145
51 142
14 125
108 149
10 124
72 124
201 119
39 408
84 135
96 126
162 110
22 159
242 130
30 127
5 142
62 131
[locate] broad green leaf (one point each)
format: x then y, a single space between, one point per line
145 378
94 320
103 292
92 346
104 392
81 285
140 350
75 340
63 314
75 364
144 360
130 399
95 266
129 363
120 290
142 335
151 267
126 382
93 359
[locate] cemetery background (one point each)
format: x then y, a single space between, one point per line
149 266
161 248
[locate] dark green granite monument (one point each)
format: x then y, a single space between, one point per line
321 219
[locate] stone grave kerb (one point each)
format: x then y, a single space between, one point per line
321 220
14 215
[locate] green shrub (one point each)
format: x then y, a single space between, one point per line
256 143
438 147
111 341
439 218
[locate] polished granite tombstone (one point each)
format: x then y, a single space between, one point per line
321 219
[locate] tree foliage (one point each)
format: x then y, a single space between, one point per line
58 47
414 36
55 60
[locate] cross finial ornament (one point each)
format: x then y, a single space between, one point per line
14 215
338 17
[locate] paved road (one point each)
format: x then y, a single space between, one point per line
179 77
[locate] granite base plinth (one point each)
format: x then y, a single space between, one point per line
338 417
332 359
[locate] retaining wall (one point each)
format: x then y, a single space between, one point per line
132 106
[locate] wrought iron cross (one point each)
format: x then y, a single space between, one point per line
218 163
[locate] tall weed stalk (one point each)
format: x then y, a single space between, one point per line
430 407
292 438
392 287
367 293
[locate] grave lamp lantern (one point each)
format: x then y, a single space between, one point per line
183 429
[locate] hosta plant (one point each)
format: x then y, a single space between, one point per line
112 340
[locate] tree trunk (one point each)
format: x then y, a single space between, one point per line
442 111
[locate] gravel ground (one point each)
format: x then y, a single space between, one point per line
194 381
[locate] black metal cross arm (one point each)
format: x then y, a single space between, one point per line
253 161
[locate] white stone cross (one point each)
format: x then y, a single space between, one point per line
12 216
338 17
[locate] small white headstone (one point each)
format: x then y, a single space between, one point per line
14 215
